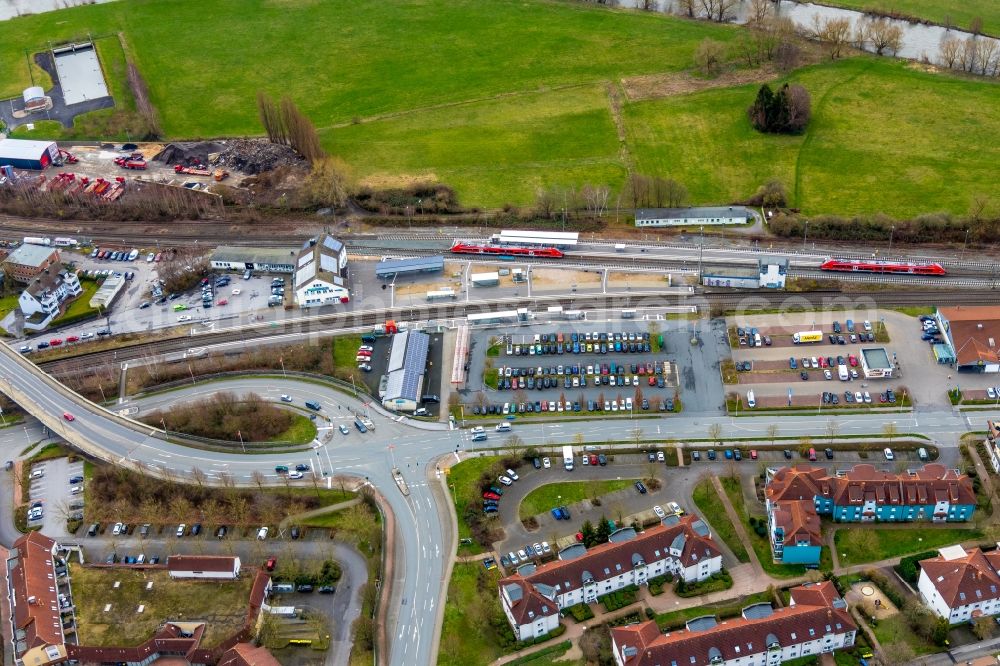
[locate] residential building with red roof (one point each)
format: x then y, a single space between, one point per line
534 595
961 585
794 532
34 600
815 621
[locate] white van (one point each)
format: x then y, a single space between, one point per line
921 452
262 534
751 401
478 430
503 427
842 372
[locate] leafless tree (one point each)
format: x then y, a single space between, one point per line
718 10
258 479
595 199
545 203
759 11
986 52
646 5
835 33
799 107
709 56
686 7
198 476
968 54
883 34
271 119
949 52
329 183
787 56
976 25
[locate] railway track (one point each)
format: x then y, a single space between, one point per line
326 324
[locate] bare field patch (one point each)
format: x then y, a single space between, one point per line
555 278
627 279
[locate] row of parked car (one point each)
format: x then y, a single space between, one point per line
492 495
582 343
124 255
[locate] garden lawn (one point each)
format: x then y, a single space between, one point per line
958 13
80 307
8 303
543 498
711 509
345 349
466 630
883 544
722 609
895 629
885 137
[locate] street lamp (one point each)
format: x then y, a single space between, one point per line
891 233
966 244
805 236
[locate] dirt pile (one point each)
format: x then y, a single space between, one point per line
249 156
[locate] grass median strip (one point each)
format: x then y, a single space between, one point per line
858 545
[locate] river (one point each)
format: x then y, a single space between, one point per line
919 41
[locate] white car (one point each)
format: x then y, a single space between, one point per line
827 374
522 555
478 430
36 474
295 475
888 454
117 529
868 397
991 392
751 401
660 457
514 559
237 291
546 463
86 336
858 398
150 257
868 325
660 513
76 490
512 474
546 548
285 397
344 429
504 480
184 318
675 508
538 549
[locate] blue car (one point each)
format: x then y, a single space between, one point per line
557 514
792 364
565 512
729 454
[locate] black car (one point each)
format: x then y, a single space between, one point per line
76 479
804 375
652 457
304 588
302 467
196 529
641 487
696 455
537 463
431 398
327 589
788 454
295 532
711 454
602 459
829 454
737 455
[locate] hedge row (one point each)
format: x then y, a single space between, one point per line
619 599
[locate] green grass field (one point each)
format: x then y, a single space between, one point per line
302 431
898 542
543 498
462 484
958 12
861 154
501 98
711 509
466 630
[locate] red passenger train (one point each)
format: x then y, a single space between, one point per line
506 251
896 267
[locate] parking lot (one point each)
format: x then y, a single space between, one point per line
825 368
626 367
51 489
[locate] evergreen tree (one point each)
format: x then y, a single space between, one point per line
603 532
589 538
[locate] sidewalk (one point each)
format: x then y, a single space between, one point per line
737 521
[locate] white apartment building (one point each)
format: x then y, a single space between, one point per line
961 586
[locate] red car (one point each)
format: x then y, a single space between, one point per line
652 380
55 342
72 338
593 459
822 361
753 454
270 564
68 416
853 360
489 494
222 301
579 537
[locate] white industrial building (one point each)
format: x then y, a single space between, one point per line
259 259
405 373
961 586
686 217
532 598
319 273
42 299
224 567
771 273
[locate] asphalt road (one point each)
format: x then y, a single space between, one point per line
424 534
